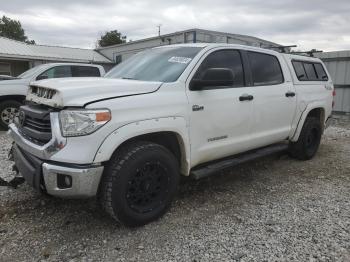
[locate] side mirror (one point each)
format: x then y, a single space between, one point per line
42 77
213 77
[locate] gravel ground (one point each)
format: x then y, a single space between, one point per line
273 209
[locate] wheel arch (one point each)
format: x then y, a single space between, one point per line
173 137
318 112
18 98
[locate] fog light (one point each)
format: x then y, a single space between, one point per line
64 181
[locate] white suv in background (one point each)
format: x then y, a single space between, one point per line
13 90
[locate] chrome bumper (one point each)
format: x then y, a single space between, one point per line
85 181
56 143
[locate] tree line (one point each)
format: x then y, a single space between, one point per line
13 29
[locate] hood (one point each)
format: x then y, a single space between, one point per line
14 81
62 92
6 77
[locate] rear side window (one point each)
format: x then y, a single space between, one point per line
81 71
310 71
321 73
307 71
299 70
266 69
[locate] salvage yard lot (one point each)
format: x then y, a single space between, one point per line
272 209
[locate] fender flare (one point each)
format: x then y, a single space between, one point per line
305 113
126 132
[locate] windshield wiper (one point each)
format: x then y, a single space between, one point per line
128 78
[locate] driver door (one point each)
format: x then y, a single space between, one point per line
220 124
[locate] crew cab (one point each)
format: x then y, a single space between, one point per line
14 89
190 109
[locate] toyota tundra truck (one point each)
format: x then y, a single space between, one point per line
189 109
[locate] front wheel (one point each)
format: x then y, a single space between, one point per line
139 183
309 140
8 111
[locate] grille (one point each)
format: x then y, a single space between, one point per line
34 123
42 92
38 124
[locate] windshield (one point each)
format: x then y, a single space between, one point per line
31 71
158 64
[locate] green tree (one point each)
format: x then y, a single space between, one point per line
111 38
13 29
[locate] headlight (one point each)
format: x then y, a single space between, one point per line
82 122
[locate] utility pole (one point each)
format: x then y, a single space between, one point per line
159 29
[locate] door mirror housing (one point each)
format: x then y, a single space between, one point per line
213 77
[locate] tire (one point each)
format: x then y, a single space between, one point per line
129 191
309 140
8 110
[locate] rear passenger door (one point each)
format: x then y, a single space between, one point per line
274 100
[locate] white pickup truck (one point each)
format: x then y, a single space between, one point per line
14 89
190 109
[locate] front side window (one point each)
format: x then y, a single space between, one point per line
266 69
223 59
56 72
164 64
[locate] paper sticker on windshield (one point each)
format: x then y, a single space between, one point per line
179 59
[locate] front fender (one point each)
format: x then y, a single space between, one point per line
13 89
131 130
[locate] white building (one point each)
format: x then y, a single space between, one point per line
17 57
118 53
338 65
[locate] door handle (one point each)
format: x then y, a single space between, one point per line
290 94
246 97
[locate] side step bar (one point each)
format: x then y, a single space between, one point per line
211 169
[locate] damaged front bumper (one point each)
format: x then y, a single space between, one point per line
57 179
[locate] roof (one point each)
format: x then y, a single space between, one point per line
238 36
214 45
302 57
14 49
202 45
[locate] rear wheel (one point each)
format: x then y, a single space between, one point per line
309 140
139 183
8 111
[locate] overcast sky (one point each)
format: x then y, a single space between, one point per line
310 24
